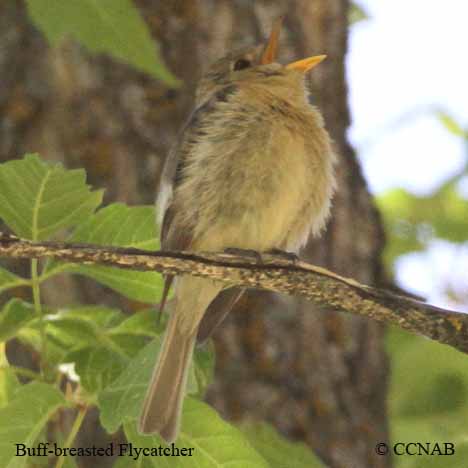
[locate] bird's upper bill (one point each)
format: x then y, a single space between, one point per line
271 51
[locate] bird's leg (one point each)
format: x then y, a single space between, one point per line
291 256
250 253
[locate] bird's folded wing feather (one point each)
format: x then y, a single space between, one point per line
181 238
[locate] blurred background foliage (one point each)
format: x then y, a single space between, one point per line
114 27
428 397
412 222
428 394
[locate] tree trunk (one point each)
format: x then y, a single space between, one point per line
317 375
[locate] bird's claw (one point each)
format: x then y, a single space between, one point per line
291 256
250 253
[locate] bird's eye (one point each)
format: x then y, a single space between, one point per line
241 64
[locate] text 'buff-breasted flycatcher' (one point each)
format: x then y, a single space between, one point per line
252 169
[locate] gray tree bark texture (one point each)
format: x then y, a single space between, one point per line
318 376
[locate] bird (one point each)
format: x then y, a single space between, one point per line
252 169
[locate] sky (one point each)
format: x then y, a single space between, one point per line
405 62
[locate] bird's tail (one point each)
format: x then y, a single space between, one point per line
163 402
162 406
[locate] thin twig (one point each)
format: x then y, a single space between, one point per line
323 287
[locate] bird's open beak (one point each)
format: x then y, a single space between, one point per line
306 64
271 50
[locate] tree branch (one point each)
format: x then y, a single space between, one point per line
273 273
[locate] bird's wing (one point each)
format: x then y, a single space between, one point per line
181 239
175 164
217 311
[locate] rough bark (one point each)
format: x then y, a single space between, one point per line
319 377
266 272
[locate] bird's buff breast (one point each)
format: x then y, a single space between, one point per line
249 198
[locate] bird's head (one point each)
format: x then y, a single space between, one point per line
256 64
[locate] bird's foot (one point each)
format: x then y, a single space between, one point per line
291 256
250 253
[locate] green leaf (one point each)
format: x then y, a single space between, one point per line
140 286
111 26
119 225
15 315
400 224
203 369
142 323
99 316
82 334
449 214
69 462
132 334
412 221
356 13
37 199
81 326
8 385
439 388
80 329
451 124
431 431
428 397
97 366
278 451
122 400
31 337
9 280
128 345
67 329
71 332
98 341
23 419
213 441
8 380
